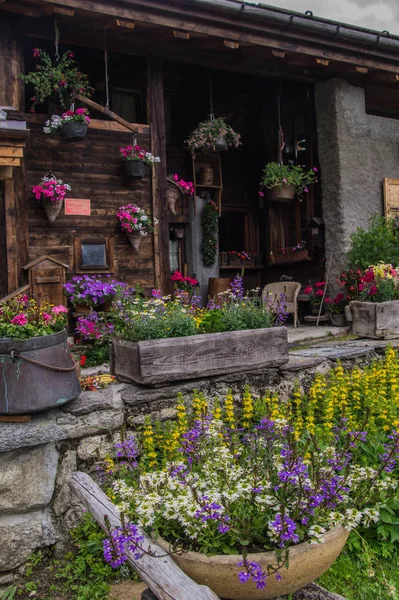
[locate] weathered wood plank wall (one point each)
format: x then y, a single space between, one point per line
94 170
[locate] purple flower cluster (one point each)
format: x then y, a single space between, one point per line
237 287
214 511
284 529
121 538
94 327
93 291
253 571
128 452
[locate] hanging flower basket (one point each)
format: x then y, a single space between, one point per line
177 188
134 238
137 162
73 132
51 193
213 135
282 193
136 168
72 125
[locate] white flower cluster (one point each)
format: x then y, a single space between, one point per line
53 124
150 158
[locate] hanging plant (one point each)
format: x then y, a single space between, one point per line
58 80
51 193
136 223
72 124
210 233
286 180
176 189
137 161
213 135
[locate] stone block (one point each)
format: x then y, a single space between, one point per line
27 478
21 534
88 402
94 448
64 497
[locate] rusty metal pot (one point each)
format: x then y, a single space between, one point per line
36 374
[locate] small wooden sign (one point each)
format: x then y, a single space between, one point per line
77 206
391 198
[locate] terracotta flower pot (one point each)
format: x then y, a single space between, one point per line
73 131
52 208
134 238
306 563
136 168
282 193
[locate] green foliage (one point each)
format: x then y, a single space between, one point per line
236 317
9 593
97 354
378 243
207 132
210 233
58 80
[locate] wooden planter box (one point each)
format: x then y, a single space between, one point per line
162 361
377 320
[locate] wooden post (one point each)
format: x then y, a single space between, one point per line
11 235
155 567
11 86
159 177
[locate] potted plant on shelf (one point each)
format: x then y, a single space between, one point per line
72 124
136 223
88 292
51 193
249 501
336 308
316 294
38 371
185 287
242 258
284 181
137 162
58 80
213 135
176 188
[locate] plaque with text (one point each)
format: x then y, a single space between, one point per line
77 206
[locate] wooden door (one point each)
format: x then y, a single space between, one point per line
47 284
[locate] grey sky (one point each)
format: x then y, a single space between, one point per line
374 14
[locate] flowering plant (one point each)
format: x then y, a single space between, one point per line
58 80
186 284
138 153
229 480
187 187
379 283
337 305
243 255
51 188
207 132
80 115
350 279
94 327
21 318
93 291
315 292
277 175
134 218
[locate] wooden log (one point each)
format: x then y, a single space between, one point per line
107 112
11 235
162 361
158 571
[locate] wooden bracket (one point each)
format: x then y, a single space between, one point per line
181 35
231 44
322 61
125 23
58 10
278 53
362 69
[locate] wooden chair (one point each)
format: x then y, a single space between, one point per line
290 289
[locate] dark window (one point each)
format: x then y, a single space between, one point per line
94 255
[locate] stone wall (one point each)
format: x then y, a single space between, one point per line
356 152
37 508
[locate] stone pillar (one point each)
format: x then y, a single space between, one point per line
356 152
194 250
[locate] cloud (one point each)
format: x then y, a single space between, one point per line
373 14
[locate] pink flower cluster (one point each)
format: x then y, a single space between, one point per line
80 114
187 187
184 283
51 189
20 320
133 218
57 310
133 152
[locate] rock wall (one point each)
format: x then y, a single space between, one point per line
356 152
37 508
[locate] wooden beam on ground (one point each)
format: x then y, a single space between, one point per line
11 235
158 571
107 112
159 176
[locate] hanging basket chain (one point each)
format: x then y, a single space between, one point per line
211 110
106 69
56 41
281 142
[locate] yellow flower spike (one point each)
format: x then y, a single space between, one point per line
148 442
229 416
217 410
247 407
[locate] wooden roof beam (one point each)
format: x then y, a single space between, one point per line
63 11
360 69
278 53
322 61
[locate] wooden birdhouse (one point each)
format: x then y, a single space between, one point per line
47 277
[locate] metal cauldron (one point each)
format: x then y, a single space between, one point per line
36 374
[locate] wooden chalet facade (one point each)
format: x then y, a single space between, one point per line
161 57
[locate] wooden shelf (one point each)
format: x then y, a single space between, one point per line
288 262
238 267
216 187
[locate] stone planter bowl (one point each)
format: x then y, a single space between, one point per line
306 563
